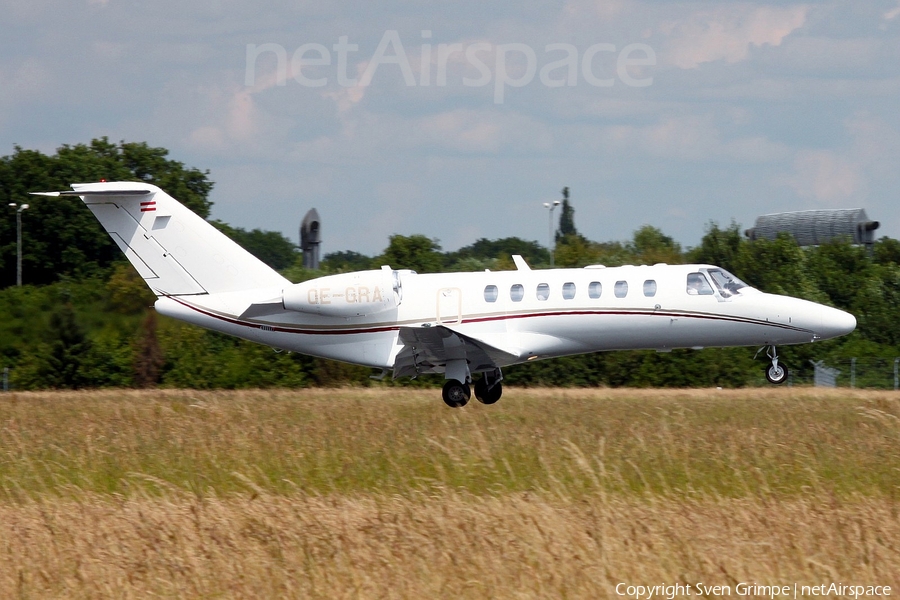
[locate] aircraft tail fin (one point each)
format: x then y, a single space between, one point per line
174 250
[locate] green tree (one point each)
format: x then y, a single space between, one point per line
776 266
148 355
566 218
58 362
840 270
886 251
60 236
576 251
416 252
127 292
108 361
650 246
271 247
877 305
199 359
345 262
500 249
718 247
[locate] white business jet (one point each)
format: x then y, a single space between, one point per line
458 324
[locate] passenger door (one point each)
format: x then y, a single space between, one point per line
449 306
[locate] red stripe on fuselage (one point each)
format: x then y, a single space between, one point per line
383 328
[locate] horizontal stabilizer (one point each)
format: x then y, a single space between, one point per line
94 193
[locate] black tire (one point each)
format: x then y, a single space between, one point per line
487 396
456 394
777 376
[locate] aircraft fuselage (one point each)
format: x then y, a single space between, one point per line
529 314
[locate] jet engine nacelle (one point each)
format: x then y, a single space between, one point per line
346 295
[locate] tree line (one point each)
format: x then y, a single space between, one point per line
83 318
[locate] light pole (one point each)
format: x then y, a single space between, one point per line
19 241
550 206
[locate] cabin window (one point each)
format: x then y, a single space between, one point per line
517 292
490 293
649 288
621 289
595 289
543 291
697 285
568 290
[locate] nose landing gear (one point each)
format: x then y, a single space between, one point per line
775 373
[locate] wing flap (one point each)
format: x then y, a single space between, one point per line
428 349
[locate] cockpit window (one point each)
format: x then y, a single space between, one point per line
697 285
727 284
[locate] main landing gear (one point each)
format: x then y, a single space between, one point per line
456 393
776 373
488 390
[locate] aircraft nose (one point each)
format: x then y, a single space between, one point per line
835 323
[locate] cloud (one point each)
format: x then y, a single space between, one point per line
463 130
346 98
728 33
207 138
23 83
233 110
892 14
691 138
482 132
876 145
606 10
230 118
842 176
826 178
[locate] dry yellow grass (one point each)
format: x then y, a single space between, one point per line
388 494
440 546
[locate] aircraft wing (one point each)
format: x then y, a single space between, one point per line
427 350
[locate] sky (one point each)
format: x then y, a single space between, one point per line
458 120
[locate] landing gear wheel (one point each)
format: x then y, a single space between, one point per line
456 394
776 374
485 395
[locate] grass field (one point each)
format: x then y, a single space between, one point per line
370 493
